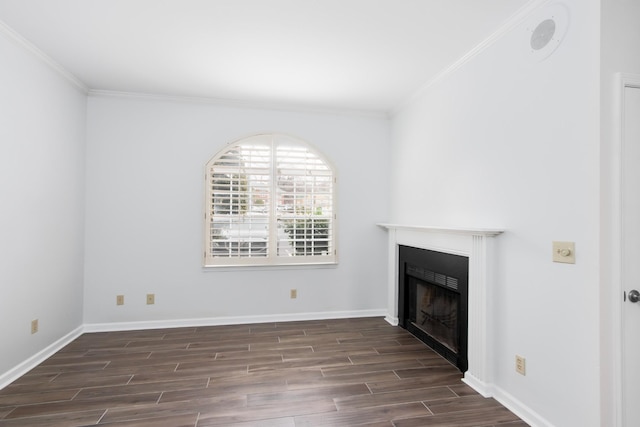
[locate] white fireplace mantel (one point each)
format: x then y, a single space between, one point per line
478 245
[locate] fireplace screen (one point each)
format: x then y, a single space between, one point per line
433 300
437 314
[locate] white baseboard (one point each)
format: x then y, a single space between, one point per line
486 390
507 400
235 320
527 414
24 367
393 321
13 374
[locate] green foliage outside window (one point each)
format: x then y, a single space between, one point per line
310 236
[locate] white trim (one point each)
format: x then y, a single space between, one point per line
471 231
393 321
13 374
514 405
527 414
238 103
476 244
266 147
235 320
24 367
623 81
20 41
482 387
504 29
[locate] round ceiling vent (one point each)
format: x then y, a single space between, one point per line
547 30
543 34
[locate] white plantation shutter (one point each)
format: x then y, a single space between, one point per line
270 199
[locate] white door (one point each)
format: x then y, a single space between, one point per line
631 257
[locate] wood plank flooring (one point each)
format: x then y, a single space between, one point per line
347 372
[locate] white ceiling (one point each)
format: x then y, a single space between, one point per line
367 55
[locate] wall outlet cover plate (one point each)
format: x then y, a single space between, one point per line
564 252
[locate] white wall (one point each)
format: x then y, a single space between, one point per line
145 165
41 220
620 44
511 141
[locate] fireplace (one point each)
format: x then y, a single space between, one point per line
478 245
433 300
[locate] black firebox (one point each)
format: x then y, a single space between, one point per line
433 300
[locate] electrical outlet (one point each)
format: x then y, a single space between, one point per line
521 365
34 326
151 299
120 300
294 293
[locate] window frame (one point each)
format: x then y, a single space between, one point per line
273 140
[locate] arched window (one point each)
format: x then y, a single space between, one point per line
270 199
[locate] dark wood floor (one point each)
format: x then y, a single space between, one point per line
347 372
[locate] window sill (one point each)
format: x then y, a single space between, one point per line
258 267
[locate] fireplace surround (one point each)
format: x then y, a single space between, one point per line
478 245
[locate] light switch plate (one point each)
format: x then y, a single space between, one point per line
564 252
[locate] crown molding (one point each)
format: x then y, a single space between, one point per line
236 103
20 41
513 21
505 28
